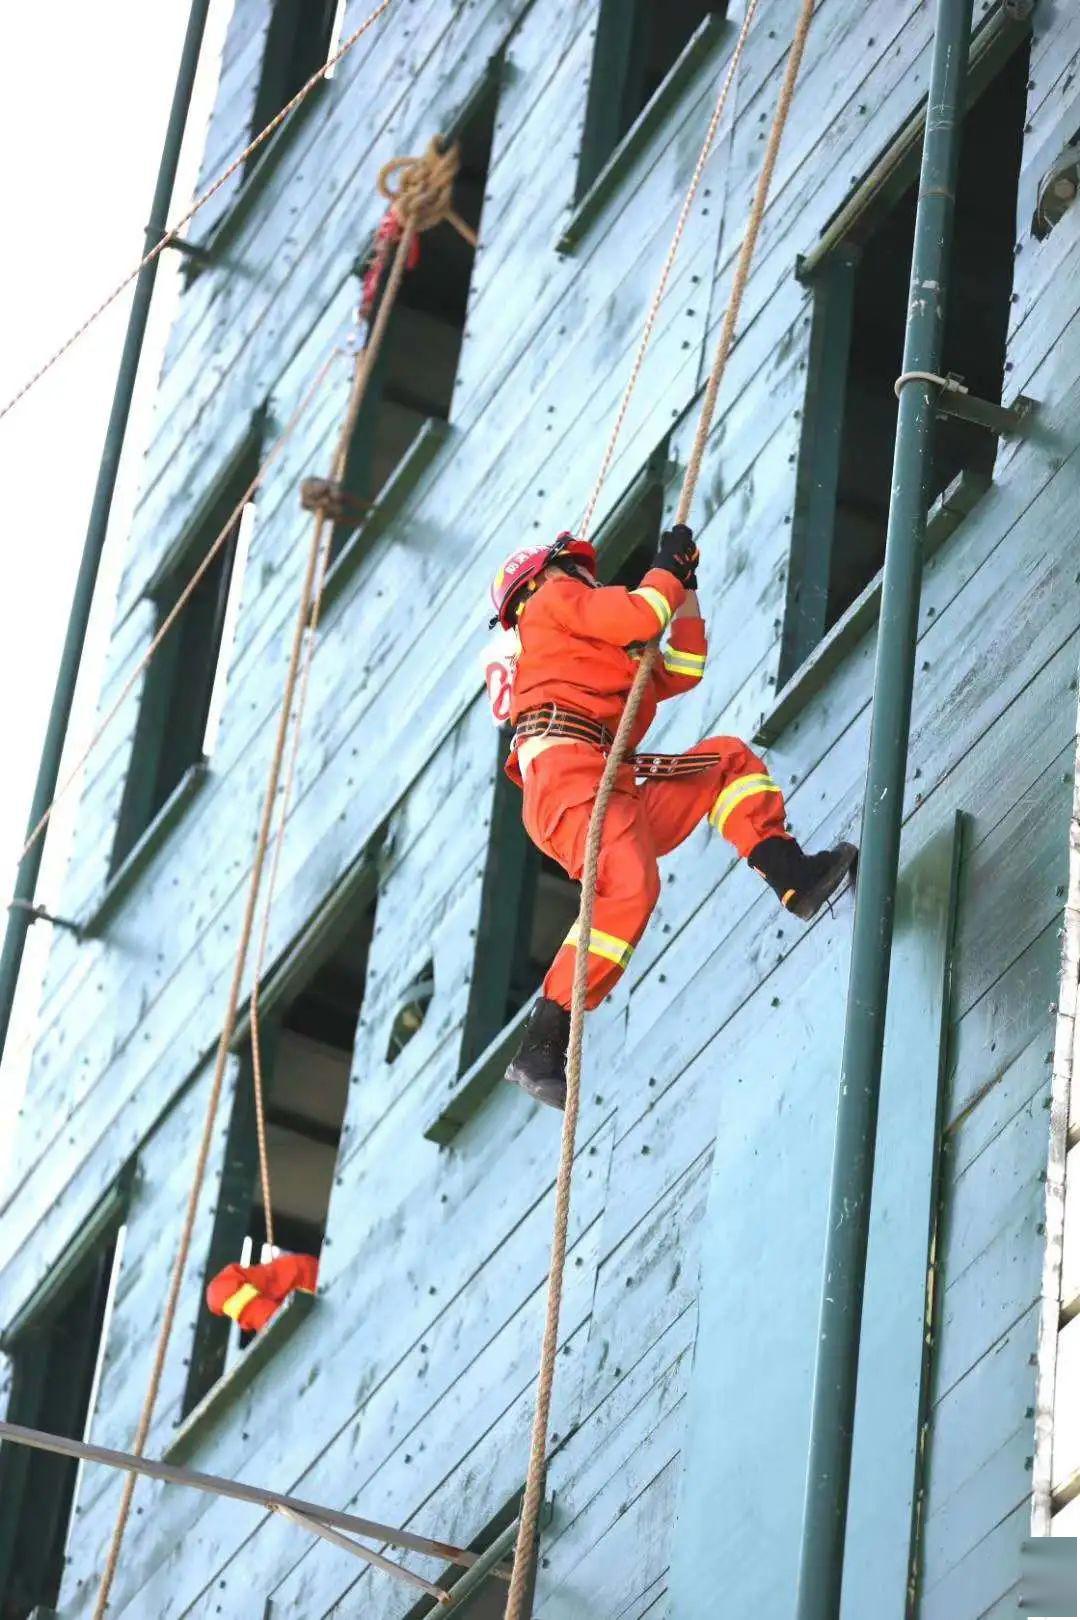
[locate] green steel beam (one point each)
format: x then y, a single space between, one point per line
20 917
828 1471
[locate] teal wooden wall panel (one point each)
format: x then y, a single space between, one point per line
892 1396
386 1369
760 1261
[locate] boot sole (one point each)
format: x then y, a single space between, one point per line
553 1093
807 906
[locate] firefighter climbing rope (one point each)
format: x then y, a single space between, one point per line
525 1551
420 192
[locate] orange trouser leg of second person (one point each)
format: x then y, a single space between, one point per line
643 822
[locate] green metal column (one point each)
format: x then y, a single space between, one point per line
20 916
836 1368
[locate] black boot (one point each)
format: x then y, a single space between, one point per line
540 1065
803 882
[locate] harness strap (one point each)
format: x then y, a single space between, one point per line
551 721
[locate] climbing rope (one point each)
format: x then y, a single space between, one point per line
361 378
534 1486
417 204
428 197
200 202
220 539
665 274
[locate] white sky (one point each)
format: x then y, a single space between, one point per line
83 109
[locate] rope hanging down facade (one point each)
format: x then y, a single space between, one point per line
424 199
419 210
200 202
220 539
525 1550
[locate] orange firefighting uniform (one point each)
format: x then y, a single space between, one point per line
251 1294
577 650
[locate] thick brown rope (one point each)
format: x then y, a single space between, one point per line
200 202
365 362
182 600
669 264
307 618
534 1486
220 1066
425 192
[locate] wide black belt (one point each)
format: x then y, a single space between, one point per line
553 721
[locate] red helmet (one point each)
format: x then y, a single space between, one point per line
522 566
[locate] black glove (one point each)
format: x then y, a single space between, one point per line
678 555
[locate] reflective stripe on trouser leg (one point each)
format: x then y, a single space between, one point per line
737 793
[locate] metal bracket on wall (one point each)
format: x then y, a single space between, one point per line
955 399
198 256
39 914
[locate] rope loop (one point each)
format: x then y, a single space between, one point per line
424 195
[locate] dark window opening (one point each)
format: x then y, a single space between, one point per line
546 909
299 40
306 1048
185 685
638 43
861 296
629 551
410 1015
55 1367
414 377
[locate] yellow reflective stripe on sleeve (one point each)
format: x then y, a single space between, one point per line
657 601
237 1303
743 787
608 946
677 662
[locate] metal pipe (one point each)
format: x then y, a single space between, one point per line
829 1459
486 1568
19 917
272 1501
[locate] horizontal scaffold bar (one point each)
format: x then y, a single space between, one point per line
275 1501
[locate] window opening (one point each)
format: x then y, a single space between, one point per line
413 380
231 614
307 1052
412 1012
857 342
333 44
638 43
185 685
298 42
56 1369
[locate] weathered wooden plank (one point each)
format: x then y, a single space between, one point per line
893 1395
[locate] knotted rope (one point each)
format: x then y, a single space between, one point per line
534 1485
425 192
429 202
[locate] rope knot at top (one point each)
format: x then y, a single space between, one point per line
424 193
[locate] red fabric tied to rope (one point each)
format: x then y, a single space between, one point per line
387 237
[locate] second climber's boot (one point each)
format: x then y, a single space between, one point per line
802 882
540 1064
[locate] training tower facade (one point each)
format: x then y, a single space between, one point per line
412 923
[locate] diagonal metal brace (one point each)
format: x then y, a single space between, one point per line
259 1497
357 1548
